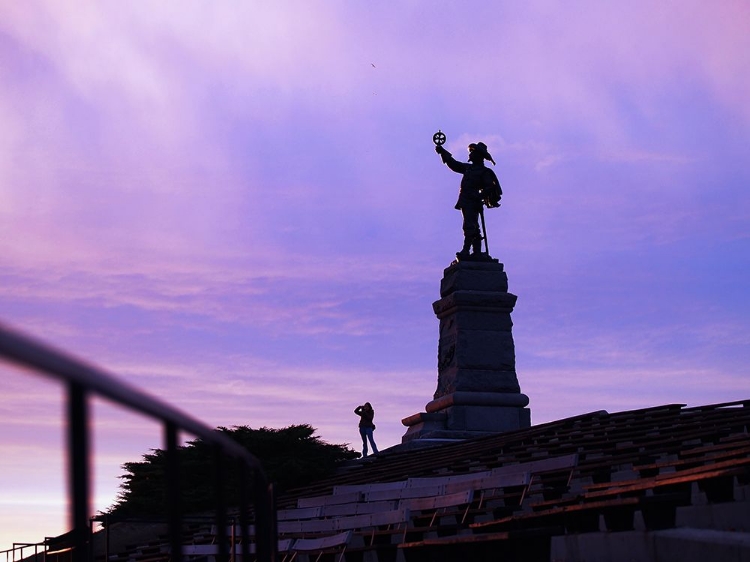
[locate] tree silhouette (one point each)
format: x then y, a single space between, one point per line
292 456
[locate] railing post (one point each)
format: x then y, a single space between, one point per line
244 519
78 461
265 518
221 506
174 500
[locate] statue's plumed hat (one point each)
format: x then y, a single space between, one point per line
482 149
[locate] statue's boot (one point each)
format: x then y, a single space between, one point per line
477 245
464 253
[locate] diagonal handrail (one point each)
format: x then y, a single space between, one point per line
83 379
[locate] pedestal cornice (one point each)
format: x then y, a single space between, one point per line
460 398
485 301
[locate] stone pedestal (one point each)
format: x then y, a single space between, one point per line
477 391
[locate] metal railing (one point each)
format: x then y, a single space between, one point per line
84 380
19 547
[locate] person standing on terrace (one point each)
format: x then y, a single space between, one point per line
366 427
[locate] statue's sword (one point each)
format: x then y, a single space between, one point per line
484 230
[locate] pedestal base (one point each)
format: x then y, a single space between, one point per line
454 423
463 415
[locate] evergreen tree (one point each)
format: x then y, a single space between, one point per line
292 456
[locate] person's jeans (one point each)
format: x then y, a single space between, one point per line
366 433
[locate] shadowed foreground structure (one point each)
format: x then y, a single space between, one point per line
662 483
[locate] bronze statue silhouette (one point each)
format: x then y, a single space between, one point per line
479 187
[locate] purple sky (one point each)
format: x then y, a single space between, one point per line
237 207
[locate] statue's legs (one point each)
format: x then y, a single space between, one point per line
465 251
472 233
477 245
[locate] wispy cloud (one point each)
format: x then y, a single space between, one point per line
238 207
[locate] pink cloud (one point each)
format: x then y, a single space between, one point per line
223 201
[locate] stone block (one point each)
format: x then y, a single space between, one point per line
464 418
615 547
699 545
474 300
487 418
423 423
493 321
474 277
477 350
454 379
720 516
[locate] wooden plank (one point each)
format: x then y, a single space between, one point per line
475 481
446 480
366 520
744 403
394 517
502 480
737 466
317 501
437 502
360 508
542 465
284 545
652 483
403 493
213 549
457 539
705 454
299 513
612 490
322 543
373 487
617 502
307 526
